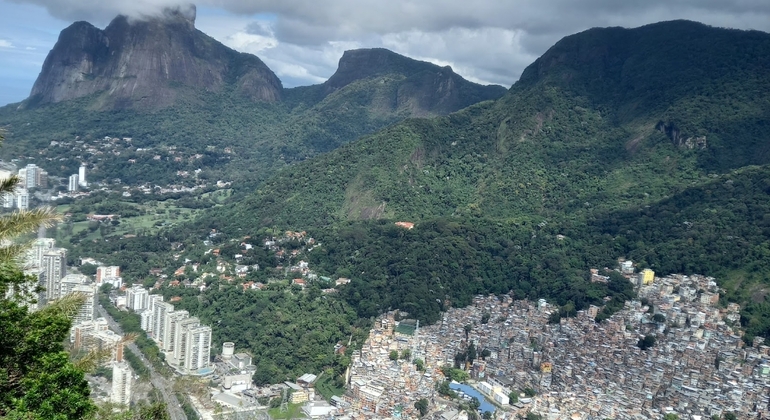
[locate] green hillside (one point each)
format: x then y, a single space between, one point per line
607 122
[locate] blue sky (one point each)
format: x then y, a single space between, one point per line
485 41
27 33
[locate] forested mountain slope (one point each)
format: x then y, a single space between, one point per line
607 122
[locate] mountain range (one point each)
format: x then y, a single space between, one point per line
647 143
597 151
166 84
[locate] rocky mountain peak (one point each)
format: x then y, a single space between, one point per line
149 62
423 88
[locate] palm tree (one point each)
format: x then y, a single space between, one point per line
19 222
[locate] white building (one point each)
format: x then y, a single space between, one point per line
28 175
180 339
82 176
96 336
68 283
146 322
9 200
87 311
159 321
238 382
317 409
121 383
501 398
34 257
72 185
103 272
137 298
171 324
116 282
54 265
22 199
152 301
198 348
83 332
32 176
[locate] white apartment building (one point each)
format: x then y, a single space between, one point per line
73 184
18 199
198 348
9 200
171 324
121 383
34 256
82 176
146 320
83 331
54 265
116 282
68 283
106 271
180 339
32 176
159 321
22 199
137 298
152 301
87 311
28 175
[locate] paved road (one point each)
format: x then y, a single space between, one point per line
157 380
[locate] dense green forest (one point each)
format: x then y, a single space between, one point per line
288 331
446 262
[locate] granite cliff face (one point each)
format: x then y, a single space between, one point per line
422 88
148 63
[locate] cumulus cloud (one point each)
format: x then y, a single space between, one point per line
485 40
4 43
354 17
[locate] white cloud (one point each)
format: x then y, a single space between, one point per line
4 43
254 44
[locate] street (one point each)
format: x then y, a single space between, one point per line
158 381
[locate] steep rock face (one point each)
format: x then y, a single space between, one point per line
423 88
148 63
